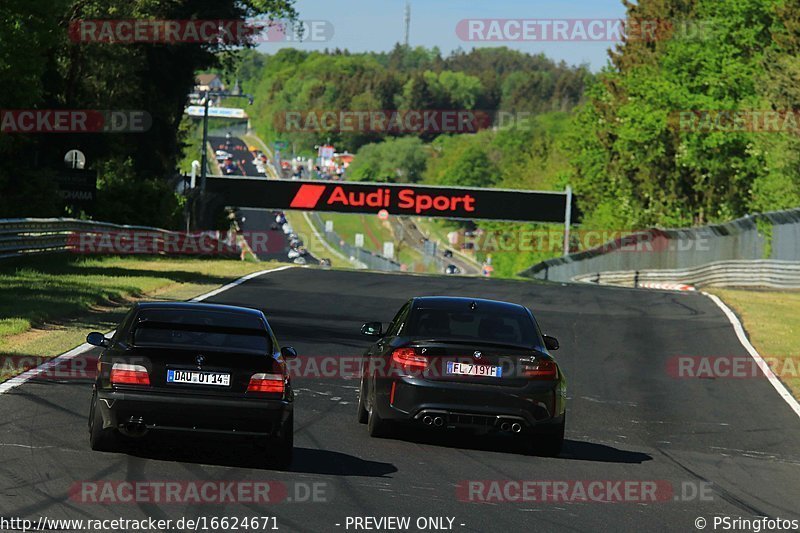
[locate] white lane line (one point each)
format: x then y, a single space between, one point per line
16 381
237 283
763 365
26 446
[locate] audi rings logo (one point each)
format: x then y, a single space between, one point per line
200 359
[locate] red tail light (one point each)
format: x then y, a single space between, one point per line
125 374
540 369
408 359
266 383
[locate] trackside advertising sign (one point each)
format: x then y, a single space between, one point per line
396 199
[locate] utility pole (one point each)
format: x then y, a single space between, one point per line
567 218
203 154
408 23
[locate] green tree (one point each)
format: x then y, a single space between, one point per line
400 160
634 161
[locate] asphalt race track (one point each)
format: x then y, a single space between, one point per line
238 149
628 419
260 221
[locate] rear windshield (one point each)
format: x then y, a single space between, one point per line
201 329
489 325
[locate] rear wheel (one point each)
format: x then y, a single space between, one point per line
549 443
281 449
363 414
101 440
377 426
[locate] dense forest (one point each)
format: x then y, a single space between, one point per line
43 67
634 165
487 81
612 135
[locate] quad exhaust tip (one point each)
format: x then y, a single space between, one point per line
134 428
516 427
427 420
438 421
505 426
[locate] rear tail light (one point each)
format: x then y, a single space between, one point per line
125 374
543 369
408 359
266 383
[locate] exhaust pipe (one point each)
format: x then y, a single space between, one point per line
134 429
438 421
505 426
427 420
516 427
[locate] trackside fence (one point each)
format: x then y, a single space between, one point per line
758 273
757 250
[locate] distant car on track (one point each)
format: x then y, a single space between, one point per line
448 363
452 270
192 367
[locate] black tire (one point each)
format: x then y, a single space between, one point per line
101 440
363 414
550 443
281 450
377 426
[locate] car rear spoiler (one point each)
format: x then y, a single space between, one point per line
201 328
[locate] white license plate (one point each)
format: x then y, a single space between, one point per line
194 377
466 369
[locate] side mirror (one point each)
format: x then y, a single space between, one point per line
97 339
551 343
372 329
288 352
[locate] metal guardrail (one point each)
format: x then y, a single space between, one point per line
763 236
743 273
28 236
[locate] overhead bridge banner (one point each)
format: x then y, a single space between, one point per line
396 199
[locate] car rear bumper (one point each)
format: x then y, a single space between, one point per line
535 407
167 412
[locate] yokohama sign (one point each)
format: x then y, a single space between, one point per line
397 199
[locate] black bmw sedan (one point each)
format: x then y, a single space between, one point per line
447 363
193 367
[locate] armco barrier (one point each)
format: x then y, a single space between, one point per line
771 236
28 236
757 273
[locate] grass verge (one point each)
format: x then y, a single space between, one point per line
376 232
772 321
49 303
